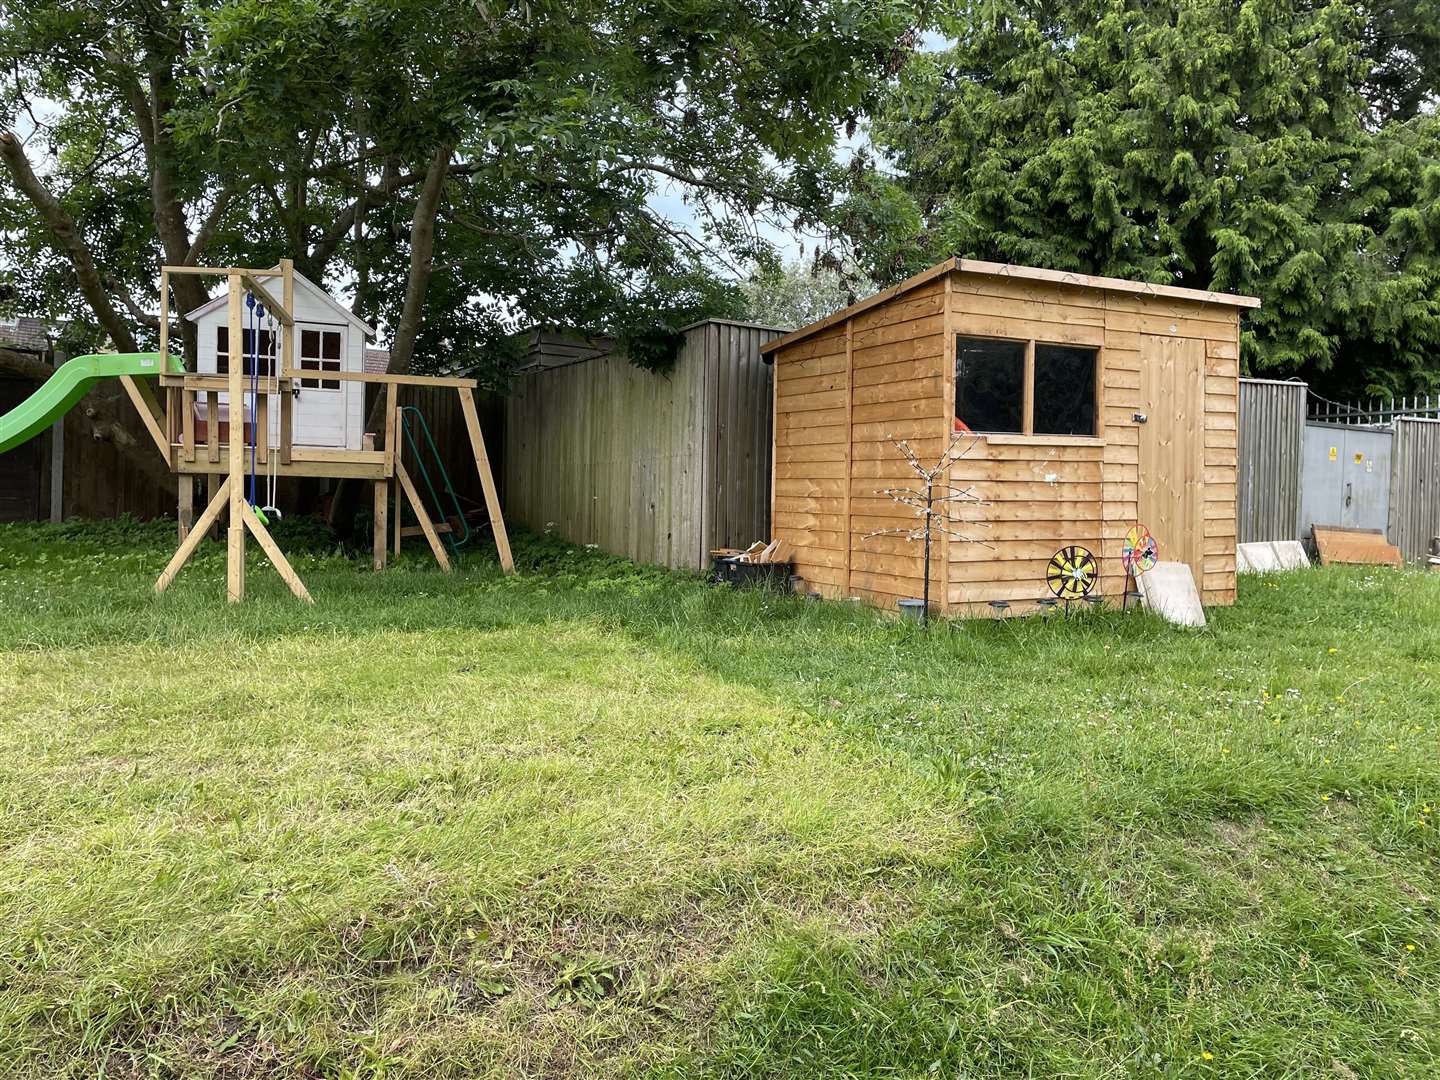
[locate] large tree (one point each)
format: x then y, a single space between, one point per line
465 167
1285 149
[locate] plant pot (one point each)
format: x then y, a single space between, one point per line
914 610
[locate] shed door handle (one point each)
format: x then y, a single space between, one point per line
1347 493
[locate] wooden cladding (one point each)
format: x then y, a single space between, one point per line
887 371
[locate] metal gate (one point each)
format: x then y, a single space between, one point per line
1346 478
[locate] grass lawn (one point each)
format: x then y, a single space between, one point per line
599 820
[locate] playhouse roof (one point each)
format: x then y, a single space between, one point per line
1025 273
301 282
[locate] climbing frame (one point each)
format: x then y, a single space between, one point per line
173 429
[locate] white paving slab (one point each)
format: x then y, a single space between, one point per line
1168 589
1269 556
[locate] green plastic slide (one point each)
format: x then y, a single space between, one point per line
67 386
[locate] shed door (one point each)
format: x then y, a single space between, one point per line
1172 447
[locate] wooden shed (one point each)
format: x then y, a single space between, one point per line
1097 404
660 468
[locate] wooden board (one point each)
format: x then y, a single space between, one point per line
1336 545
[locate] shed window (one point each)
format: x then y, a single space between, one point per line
1024 387
1064 390
990 384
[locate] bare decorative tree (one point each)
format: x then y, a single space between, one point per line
932 499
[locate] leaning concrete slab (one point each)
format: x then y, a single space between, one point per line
1268 556
1169 590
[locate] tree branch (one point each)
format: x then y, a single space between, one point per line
212 220
62 225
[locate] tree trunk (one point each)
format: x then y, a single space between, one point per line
402 348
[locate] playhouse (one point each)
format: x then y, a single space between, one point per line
276 348
1092 405
329 339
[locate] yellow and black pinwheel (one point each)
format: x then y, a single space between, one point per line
1072 573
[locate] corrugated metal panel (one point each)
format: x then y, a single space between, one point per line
1272 429
659 468
1415 487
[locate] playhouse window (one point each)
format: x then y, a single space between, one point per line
222 352
320 351
1024 387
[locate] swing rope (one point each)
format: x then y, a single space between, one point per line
254 391
270 509
259 317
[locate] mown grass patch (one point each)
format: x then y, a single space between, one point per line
598 819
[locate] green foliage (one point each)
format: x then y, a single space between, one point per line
569 123
604 820
1279 149
794 295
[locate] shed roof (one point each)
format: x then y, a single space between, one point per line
1025 273
301 282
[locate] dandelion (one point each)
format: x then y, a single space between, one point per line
1332 650
1224 749
1324 798
1206 1055
1410 947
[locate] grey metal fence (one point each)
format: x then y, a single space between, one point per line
1415 486
1373 410
1272 429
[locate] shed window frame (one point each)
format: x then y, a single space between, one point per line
1027 401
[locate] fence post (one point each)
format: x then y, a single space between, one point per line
57 458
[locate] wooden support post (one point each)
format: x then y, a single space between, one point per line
235 546
274 554
212 425
382 522
57 459
487 480
164 319
191 542
262 427
393 467
187 423
185 504
424 518
151 415
287 331
287 425
392 395
213 481
172 415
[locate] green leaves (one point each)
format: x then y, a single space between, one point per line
615 161
1269 148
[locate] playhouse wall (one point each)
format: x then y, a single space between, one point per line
333 418
888 371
